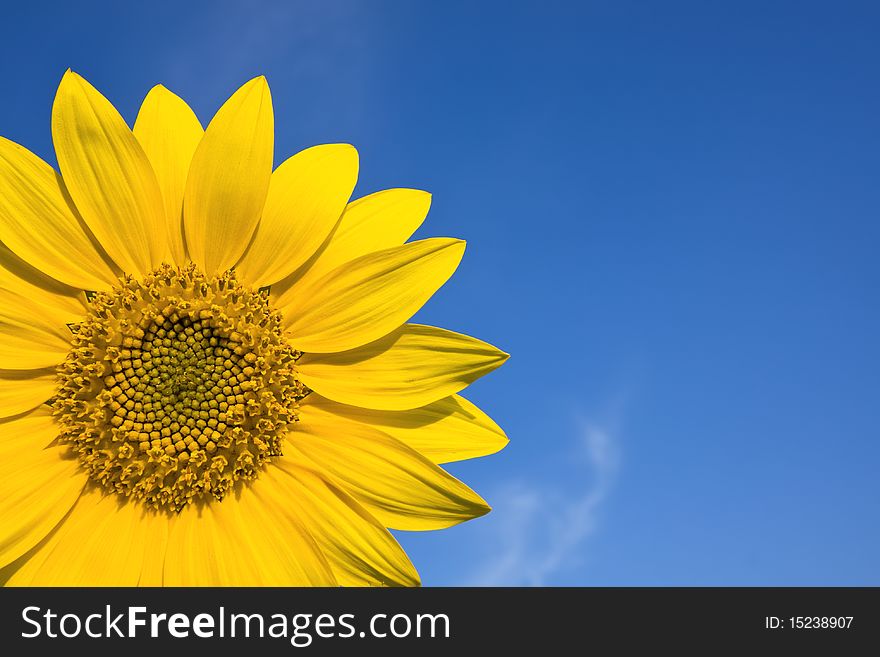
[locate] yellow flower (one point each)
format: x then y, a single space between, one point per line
206 372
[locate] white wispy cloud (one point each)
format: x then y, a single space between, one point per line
324 47
541 528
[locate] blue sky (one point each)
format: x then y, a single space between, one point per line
672 218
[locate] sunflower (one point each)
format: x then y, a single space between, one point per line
206 372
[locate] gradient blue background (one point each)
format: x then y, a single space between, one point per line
672 217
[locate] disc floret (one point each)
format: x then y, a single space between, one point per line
177 387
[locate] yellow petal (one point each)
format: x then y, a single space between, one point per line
359 549
372 223
307 195
38 483
104 541
367 298
412 367
29 339
40 226
23 390
229 178
169 132
108 176
154 536
60 302
251 539
399 486
450 429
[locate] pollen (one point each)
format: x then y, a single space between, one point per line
178 387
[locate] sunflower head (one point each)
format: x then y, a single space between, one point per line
201 355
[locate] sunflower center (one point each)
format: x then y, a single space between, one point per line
177 387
